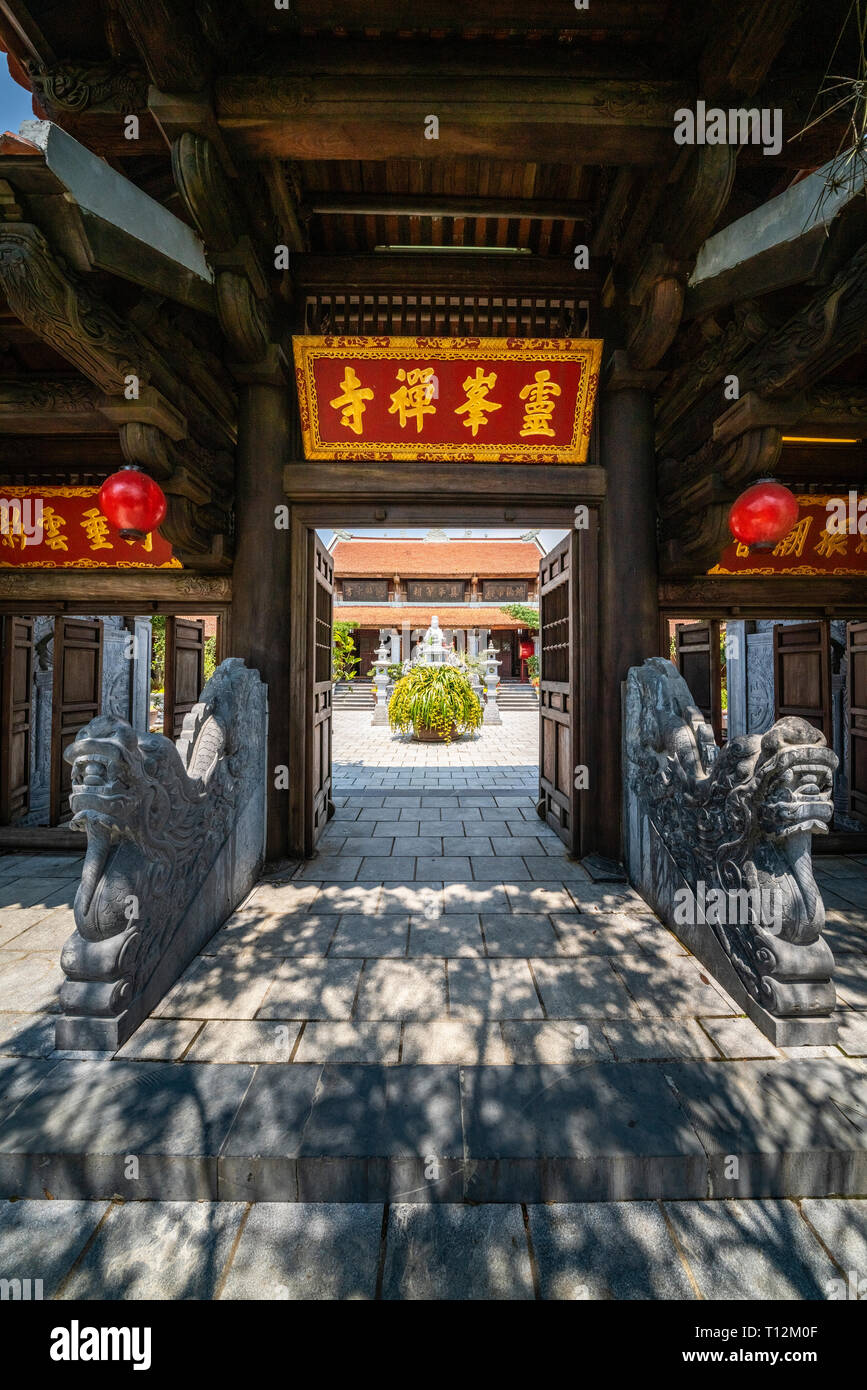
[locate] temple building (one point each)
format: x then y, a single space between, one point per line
392 587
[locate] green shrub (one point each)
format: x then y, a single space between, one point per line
435 698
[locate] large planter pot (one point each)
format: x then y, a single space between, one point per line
423 735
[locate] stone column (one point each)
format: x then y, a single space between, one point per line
259 628
629 630
736 676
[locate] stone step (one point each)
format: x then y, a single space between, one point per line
599 1131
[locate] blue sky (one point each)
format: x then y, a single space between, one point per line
15 103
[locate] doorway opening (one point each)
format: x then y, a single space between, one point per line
58 672
745 674
516 608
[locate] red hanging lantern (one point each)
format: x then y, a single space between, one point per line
763 515
525 650
133 503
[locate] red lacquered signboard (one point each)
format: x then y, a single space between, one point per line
503 400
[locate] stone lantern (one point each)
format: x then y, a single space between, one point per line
380 681
492 665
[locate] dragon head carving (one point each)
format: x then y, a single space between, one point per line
740 817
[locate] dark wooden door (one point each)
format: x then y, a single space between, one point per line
505 640
185 670
367 644
698 660
319 691
558 690
856 675
76 698
16 692
802 673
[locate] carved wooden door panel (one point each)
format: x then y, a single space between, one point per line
558 690
16 691
185 671
76 698
318 732
802 673
698 660
856 676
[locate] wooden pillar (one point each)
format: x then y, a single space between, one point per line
629 600
260 585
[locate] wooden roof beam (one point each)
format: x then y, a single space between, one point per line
409 205
591 121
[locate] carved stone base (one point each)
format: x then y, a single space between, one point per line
659 880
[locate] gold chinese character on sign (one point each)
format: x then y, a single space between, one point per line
541 399
741 550
476 404
794 542
831 545
352 401
413 399
52 523
96 529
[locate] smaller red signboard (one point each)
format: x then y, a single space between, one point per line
811 547
506 400
63 528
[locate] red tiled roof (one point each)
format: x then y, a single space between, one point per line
16 144
436 559
388 615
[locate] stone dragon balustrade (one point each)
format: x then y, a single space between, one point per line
175 840
719 841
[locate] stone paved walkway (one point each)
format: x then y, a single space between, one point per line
504 754
440 927
752 1250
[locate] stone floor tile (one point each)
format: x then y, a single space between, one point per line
244 1040
481 989
842 1225
853 1034
219 987
308 987
556 1043
475 897
370 844
642 1042
756 1249
387 869
538 897
158 1250
454 869
307 934
593 933
423 898
42 1240
349 1042
49 934
283 898
162 1040
341 869
30 983
307 1250
473 846
519 934
678 988
26 1034
448 1251
585 989
452 934
739 1037
363 935
491 868
392 989
454 1041
606 1250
